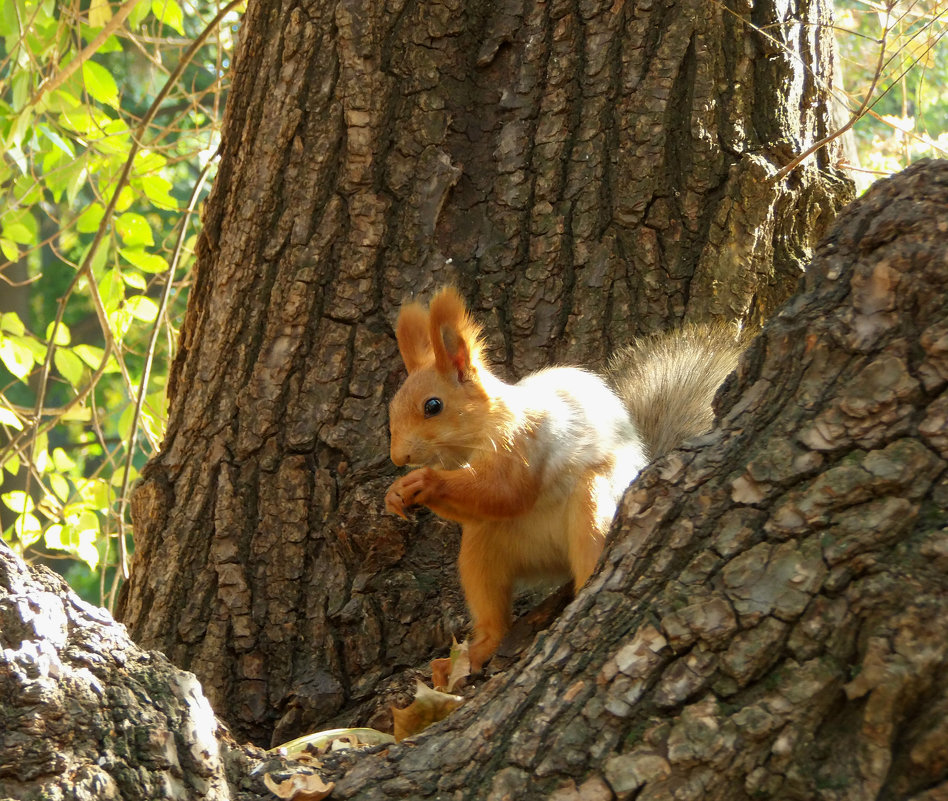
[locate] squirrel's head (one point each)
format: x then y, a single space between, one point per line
438 416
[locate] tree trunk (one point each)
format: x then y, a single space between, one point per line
583 173
770 618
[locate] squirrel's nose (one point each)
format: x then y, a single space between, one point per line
400 458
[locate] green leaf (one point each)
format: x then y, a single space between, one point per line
143 308
95 493
110 45
134 230
153 424
60 486
8 418
9 249
53 538
146 262
57 140
34 346
120 321
99 259
87 550
125 198
158 191
16 357
100 12
100 84
85 120
15 152
61 461
22 223
12 324
18 232
17 133
134 279
112 290
62 333
90 354
62 100
138 14
125 422
55 176
118 477
41 452
28 192
70 366
9 25
17 501
28 529
148 162
169 12
74 176
20 90
88 221
80 413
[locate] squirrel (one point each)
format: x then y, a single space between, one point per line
534 471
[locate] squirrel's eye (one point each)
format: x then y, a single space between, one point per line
433 406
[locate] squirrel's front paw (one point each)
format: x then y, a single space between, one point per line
413 489
394 503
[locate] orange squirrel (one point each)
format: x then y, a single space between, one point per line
533 471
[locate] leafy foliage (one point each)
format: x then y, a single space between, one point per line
895 63
109 116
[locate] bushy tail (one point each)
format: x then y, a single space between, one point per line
668 382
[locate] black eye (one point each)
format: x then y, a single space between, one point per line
433 406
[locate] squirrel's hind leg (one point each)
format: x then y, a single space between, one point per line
487 581
587 523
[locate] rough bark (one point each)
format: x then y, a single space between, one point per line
584 172
86 714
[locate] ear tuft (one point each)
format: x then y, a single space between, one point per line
412 333
455 337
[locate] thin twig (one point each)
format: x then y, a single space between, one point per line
855 116
146 371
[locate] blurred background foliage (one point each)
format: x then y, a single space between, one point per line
895 63
109 120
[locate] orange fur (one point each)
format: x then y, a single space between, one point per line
533 471
414 343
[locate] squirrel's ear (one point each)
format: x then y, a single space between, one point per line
411 331
455 337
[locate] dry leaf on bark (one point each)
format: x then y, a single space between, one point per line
332 740
299 787
429 707
460 668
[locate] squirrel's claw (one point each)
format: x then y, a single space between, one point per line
395 502
408 491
